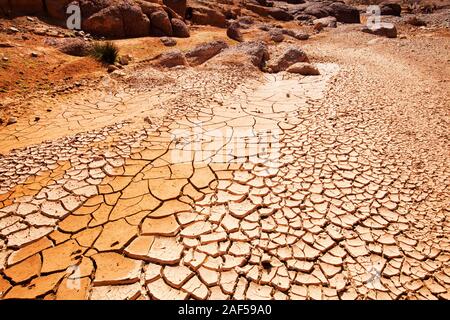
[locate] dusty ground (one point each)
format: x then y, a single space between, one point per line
227 183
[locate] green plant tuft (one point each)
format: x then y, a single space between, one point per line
106 52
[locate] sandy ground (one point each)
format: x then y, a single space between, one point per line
227 183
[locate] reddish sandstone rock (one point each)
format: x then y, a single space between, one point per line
345 13
57 8
180 29
161 25
172 59
122 20
289 57
179 6
245 53
204 52
274 12
234 33
22 7
207 16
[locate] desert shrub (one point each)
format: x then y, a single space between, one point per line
74 47
106 52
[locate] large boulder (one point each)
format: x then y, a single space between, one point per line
390 9
256 50
179 28
135 23
205 51
149 7
161 25
280 14
274 12
171 59
107 22
318 10
289 57
118 21
342 12
383 29
251 53
345 13
88 7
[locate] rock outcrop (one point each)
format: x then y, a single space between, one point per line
119 21
110 18
137 18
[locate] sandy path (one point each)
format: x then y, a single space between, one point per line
328 187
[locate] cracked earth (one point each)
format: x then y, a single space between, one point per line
233 184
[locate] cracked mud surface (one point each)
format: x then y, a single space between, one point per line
239 185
